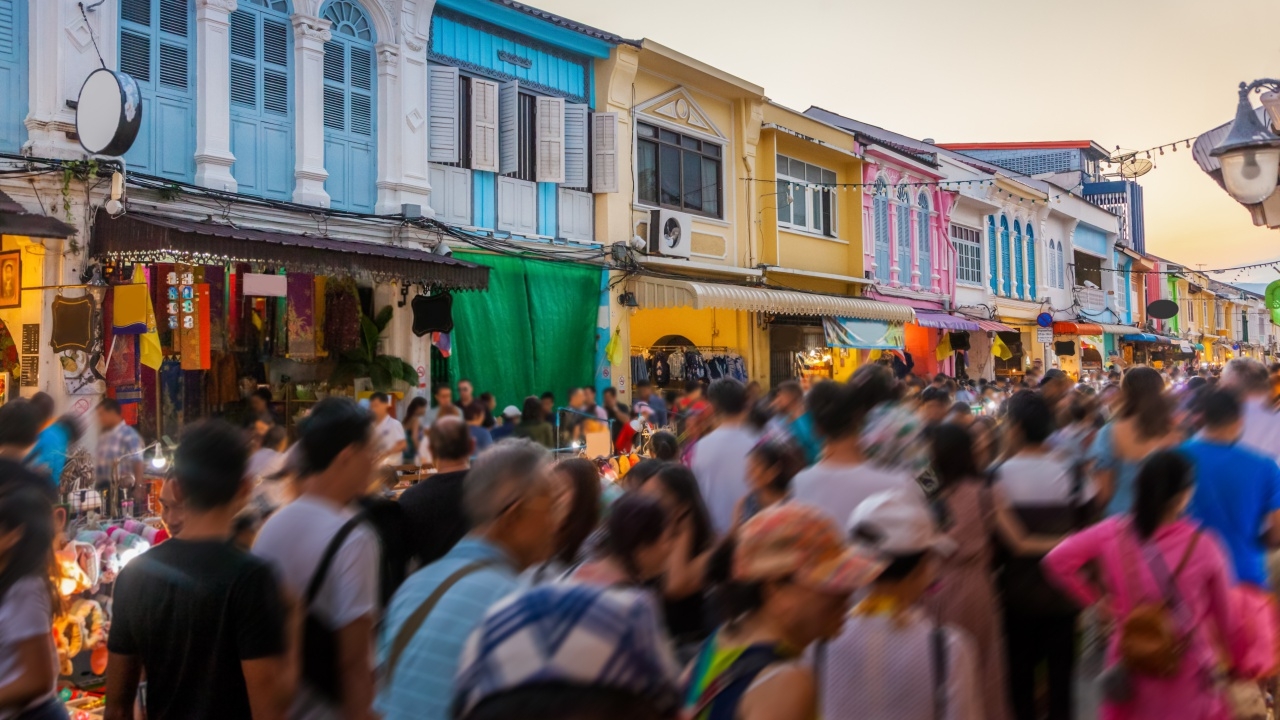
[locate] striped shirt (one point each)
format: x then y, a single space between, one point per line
421 687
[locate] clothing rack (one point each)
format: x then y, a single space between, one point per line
640 349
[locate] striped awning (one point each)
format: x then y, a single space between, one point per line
991 325
945 321
1076 328
653 293
1120 329
1141 337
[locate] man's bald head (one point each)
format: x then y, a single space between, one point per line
450 439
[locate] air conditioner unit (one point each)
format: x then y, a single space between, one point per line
670 233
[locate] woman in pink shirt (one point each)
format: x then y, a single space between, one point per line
1131 551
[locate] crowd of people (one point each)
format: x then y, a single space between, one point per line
881 548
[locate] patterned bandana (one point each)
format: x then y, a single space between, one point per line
797 541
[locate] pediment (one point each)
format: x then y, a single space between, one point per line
678 107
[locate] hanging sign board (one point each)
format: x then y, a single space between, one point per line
259 285
108 113
1044 335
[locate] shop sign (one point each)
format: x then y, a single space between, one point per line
863 334
1044 335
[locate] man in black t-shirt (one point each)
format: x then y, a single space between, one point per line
19 428
434 506
205 620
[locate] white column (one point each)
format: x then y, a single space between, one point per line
402 132
213 95
309 36
48 119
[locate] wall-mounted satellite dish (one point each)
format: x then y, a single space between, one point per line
108 113
1135 167
1162 309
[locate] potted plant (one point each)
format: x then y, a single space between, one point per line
364 361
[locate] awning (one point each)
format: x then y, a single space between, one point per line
854 334
1120 329
1076 328
15 220
151 238
991 325
1141 337
654 293
944 321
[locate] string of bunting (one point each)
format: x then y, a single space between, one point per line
1121 155
1273 264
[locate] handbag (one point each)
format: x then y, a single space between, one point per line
1151 640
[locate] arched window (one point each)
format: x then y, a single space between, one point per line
1031 263
157 47
904 236
262 114
924 253
13 74
1007 284
992 253
1062 267
1052 263
880 208
1020 287
350 142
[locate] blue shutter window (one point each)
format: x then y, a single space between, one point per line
880 206
1005 270
991 252
924 253
350 142
262 119
13 74
157 49
1017 259
903 238
1031 263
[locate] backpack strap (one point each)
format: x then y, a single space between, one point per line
415 620
330 552
938 647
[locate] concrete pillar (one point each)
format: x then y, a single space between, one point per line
309 36
213 95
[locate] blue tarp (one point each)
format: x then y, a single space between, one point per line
1141 337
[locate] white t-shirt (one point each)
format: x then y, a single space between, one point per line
294 540
25 612
880 670
386 435
838 489
720 464
1039 480
264 461
1261 429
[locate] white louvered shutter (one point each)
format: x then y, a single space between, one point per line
484 125
550 113
575 145
604 152
509 127
442 114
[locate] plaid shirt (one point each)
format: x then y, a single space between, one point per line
421 686
120 445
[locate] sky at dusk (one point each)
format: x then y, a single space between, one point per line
1135 73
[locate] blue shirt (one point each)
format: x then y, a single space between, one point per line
1236 489
801 430
659 408
50 452
421 686
1104 457
481 436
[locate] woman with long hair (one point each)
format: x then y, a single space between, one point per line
684 583
533 424
578 492
633 552
1153 554
29 602
1143 424
414 428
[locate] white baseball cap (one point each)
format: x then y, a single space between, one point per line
897 523
511 411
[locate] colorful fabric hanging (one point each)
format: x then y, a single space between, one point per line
944 350
216 278
149 352
317 323
999 349
301 317
129 309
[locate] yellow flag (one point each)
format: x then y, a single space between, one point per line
150 353
944 348
614 347
999 349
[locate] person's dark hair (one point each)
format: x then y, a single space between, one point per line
789 387
951 450
263 394
1029 412
548 396
932 394
680 482
43 403
643 384
635 522
1142 398
27 507
960 408
1194 383
484 397
110 405
274 436
1163 476
209 464
449 439
474 411
442 386
664 446
732 599
728 396
1082 406
71 425
584 510
333 425
19 423
1219 408
380 397
416 404
640 472
566 701
531 411
782 456
839 409
760 415
610 391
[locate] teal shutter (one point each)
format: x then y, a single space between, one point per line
262 117
157 49
1031 263
880 206
991 252
924 253
350 124
1017 259
1007 285
903 236
13 74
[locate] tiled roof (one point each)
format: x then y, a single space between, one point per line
567 23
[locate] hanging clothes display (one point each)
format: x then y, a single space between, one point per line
666 365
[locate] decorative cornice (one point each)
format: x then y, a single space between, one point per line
228 6
311 28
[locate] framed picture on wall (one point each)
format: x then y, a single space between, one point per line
11 279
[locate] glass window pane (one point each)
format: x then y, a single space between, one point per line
669 171
647 171
784 207
826 213
668 136
692 181
784 165
690 143
711 190
646 130
813 174
712 150
828 177
800 206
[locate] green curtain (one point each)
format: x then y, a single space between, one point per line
532 331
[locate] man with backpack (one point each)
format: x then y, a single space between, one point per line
893 661
328 558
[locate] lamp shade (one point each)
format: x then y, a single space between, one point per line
1250 174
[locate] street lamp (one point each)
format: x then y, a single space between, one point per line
1250 153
